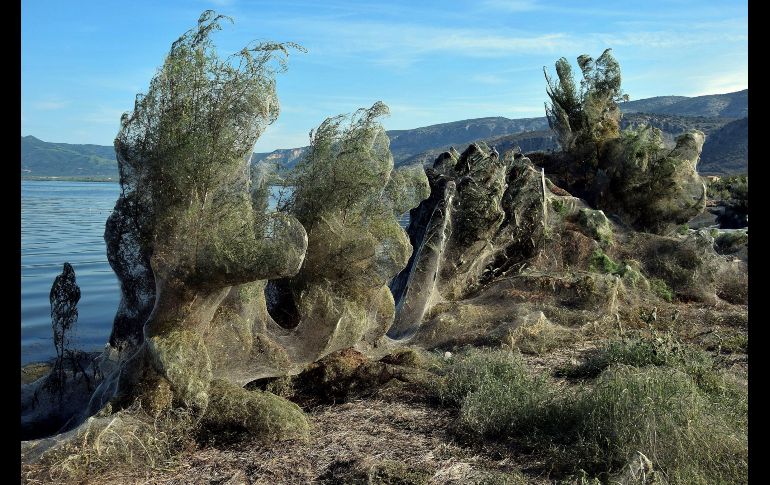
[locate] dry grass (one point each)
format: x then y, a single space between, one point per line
540 337
127 447
367 436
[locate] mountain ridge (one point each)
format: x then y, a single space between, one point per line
672 114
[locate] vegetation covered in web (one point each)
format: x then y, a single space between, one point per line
625 172
64 297
347 195
587 116
185 151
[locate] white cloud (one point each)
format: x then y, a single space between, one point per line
401 45
101 115
277 136
716 83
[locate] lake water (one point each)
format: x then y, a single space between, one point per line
64 222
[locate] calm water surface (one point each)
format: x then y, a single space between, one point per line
64 222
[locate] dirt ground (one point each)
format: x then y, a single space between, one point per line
349 441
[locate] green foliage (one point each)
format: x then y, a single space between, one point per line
559 207
661 288
348 197
734 187
474 368
345 169
601 263
658 350
497 394
733 192
184 152
660 412
201 112
729 242
586 117
683 229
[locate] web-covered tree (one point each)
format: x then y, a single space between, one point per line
64 297
348 196
189 223
627 173
585 118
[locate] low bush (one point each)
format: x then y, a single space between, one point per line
671 405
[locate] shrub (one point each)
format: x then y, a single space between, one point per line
601 263
638 352
64 297
586 117
660 412
730 242
675 409
499 397
661 288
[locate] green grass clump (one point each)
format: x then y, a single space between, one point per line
638 352
468 372
660 412
666 351
729 242
661 288
601 263
670 406
498 396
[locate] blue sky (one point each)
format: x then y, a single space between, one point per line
431 61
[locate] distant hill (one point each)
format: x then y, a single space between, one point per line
529 141
543 140
726 149
284 157
44 159
404 144
650 105
729 105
